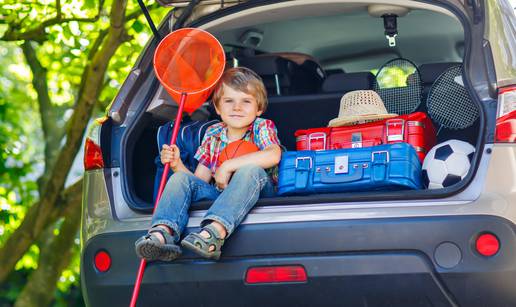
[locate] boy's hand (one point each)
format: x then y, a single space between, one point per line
171 154
222 176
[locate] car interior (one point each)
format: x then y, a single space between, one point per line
309 57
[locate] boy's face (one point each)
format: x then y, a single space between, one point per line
237 109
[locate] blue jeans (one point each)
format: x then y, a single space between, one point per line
229 208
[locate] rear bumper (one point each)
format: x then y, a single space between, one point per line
375 262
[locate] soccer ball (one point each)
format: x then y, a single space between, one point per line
447 163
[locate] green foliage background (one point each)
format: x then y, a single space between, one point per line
65 56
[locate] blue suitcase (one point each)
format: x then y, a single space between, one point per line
384 167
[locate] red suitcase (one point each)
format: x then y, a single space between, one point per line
416 129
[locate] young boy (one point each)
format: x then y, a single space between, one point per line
239 99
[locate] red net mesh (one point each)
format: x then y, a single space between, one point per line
189 61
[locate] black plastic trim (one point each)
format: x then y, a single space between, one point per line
353 248
492 105
105 141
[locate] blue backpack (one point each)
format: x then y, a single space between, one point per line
188 140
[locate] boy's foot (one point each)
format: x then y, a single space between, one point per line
220 232
157 244
207 243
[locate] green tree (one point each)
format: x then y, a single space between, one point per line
61 63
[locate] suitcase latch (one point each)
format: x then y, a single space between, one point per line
415 123
317 136
304 158
356 140
379 154
393 124
341 165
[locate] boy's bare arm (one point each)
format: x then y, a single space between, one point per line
266 158
203 172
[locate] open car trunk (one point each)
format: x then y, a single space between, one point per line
430 37
445 246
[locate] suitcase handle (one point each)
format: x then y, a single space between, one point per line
365 143
316 136
342 178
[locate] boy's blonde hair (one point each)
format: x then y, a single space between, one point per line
244 80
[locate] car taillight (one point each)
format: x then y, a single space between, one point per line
276 274
92 151
506 121
487 244
92 155
102 261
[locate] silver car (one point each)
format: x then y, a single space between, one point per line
450 246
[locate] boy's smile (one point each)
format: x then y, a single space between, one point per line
238 110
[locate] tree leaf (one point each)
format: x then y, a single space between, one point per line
89 4
137 26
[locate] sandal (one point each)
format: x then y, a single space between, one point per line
150 248
201 245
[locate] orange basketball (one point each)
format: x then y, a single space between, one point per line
236 149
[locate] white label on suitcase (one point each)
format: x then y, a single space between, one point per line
341 165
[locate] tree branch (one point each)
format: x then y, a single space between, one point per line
38 215
58 8
38 34
62 209
22 238
54 257
96 45
52 133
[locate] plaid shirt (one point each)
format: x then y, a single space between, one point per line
215 139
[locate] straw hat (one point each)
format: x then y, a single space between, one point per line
359 107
